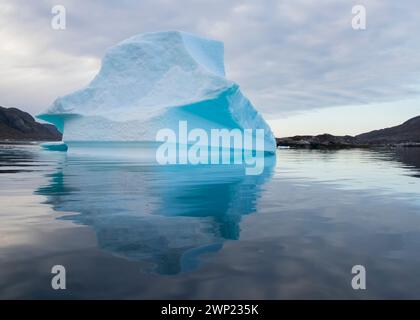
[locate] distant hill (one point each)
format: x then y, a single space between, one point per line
409 131
21 126
407 134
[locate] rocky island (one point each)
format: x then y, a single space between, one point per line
406 134
17 125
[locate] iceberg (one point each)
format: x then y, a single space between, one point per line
153 81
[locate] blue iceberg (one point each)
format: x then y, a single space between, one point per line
153 81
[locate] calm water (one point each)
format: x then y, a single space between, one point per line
137 230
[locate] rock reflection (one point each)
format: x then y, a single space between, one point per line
409 157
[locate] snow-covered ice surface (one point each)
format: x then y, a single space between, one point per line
152 81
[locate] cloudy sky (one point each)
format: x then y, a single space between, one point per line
300 61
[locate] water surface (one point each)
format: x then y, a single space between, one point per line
127 229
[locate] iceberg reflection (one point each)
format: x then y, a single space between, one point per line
164 216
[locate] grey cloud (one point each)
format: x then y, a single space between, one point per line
288 56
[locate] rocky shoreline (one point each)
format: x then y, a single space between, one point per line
404 135
320 141
327 141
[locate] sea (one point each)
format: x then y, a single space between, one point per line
132 229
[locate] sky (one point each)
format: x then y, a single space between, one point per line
299 61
